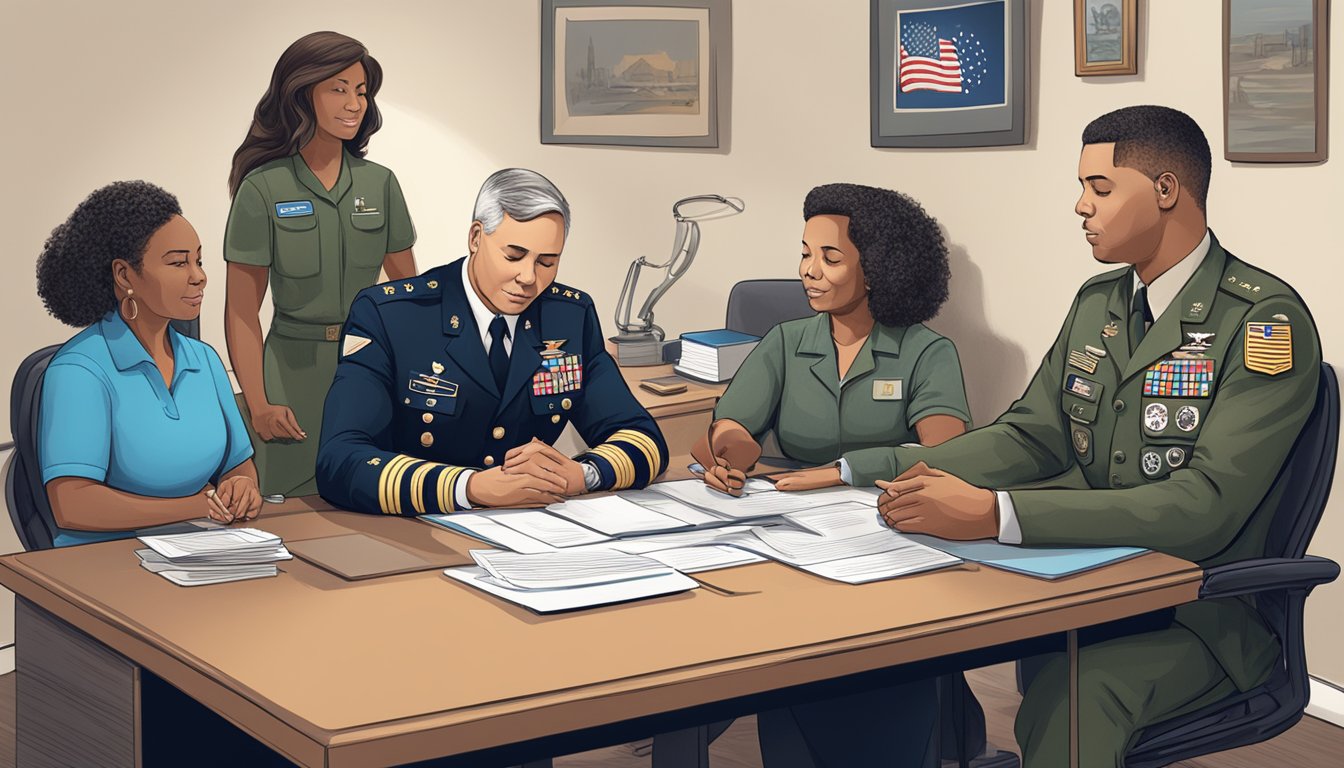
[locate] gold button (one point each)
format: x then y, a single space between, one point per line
428 418
565 404
426 439
489 461
555 419
498 433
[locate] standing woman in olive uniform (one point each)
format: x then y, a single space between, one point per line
318 221
864 370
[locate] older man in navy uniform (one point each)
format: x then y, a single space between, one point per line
453 385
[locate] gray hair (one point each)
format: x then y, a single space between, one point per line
522 194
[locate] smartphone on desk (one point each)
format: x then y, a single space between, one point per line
664 385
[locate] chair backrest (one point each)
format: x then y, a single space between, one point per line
1307 474
756 306
189 328
25 494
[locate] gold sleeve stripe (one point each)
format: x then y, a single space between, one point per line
394 486
446 490
620 464
418 485
387 482
645 444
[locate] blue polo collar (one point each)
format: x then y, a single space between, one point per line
127 351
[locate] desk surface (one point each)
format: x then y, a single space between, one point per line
697 397
397 669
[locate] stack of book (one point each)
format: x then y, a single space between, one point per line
637 350
213 557
714 356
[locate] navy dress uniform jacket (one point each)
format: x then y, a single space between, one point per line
414 403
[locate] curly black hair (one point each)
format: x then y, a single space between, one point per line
901 249
74 272
1155 140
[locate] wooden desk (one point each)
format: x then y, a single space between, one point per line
410 667
683 417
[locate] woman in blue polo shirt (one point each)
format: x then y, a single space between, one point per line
138 426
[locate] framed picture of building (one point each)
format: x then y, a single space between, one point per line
948 73
633 72
1105 38
1275 77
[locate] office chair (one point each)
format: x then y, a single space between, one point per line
25 495
756 306
1280 582
188 328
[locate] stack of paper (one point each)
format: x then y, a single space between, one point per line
212 557
565 580
759 499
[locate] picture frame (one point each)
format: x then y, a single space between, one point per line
646 73
1105 37
960 82
1276 64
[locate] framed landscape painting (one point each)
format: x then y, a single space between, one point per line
1275 70
633 72
948 73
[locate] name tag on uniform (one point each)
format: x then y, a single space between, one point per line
294 208
887 389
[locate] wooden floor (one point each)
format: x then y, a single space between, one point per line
1311 743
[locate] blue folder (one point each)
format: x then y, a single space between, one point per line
1041 562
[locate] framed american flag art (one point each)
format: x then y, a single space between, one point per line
948 73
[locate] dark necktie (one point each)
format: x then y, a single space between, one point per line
499 356
1140 314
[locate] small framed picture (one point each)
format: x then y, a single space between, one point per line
633 72
1105 37
948 73
1275 76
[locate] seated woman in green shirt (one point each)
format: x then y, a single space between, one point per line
865 370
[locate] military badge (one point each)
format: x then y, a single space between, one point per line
1187 418
1096 352
408 286
1155 417
437 367
1199 342
1151 462
553 348
432 284
527 325
1110 330
1175 457
1269 348
454 322
1083 362
1082 441
1180 377
375 461
559 373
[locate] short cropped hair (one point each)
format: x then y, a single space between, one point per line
901 249
522 194
1156 140
74 271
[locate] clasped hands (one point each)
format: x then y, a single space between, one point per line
533 475
235 499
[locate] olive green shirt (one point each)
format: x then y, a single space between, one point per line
790 383
321 246
1174 447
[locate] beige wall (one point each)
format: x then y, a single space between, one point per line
164 90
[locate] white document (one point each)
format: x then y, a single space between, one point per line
614 516
547 528
555 570
196 574
883 565
750 505
701 537
552 600
670 507
839 521
707 558
485 528
803 548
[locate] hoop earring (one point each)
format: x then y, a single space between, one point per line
135 308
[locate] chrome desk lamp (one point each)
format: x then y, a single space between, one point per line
641 339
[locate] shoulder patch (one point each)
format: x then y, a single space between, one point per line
558 291
415 288
1247 282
